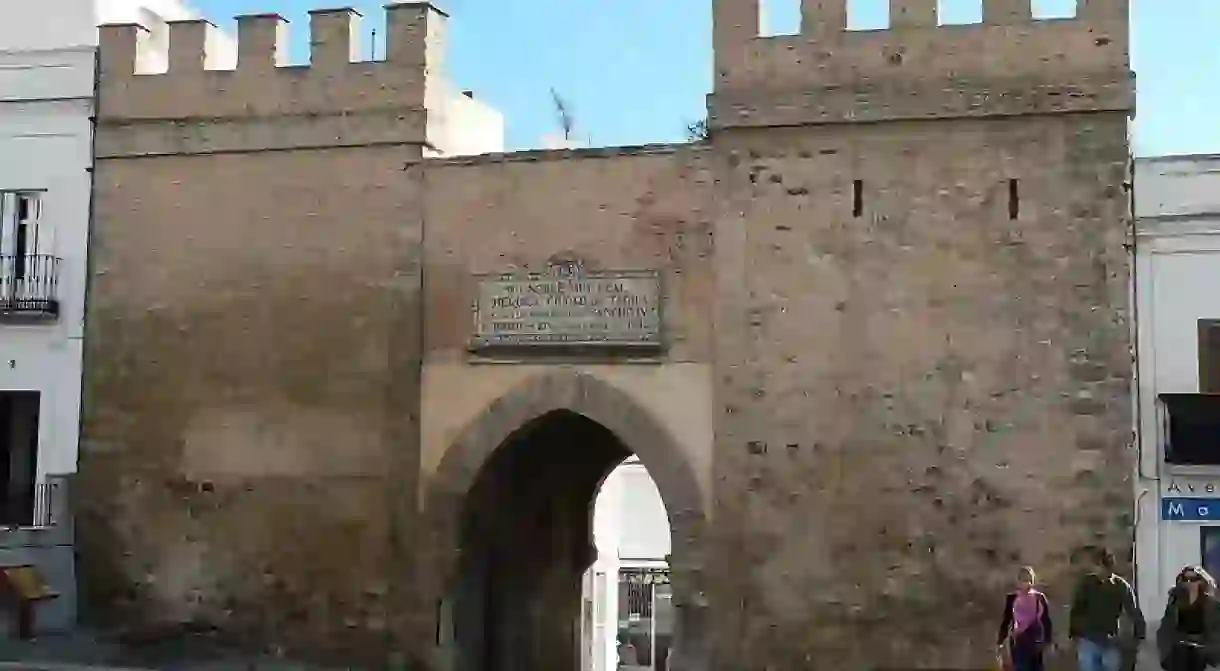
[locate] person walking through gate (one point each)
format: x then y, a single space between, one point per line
628 657
1101 599
1025 628
1190 630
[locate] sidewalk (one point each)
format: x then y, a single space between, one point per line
70 649
37 666
85 652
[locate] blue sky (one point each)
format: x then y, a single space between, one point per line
636 71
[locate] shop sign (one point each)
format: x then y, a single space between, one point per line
1185 509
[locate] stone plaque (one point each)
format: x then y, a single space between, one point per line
568 306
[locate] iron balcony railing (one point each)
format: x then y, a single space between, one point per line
29 285
30 506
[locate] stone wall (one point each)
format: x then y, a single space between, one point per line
918 399
613 209
922 380
251 334
897 360
643 208
246 349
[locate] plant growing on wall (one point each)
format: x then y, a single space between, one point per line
697 131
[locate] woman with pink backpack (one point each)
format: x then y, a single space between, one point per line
1025 628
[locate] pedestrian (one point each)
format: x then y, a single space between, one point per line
628 657
1190 630
1101 599
1025 628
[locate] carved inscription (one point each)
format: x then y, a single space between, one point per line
568 306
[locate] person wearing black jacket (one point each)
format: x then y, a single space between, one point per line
1189 636
1026 628
1101 599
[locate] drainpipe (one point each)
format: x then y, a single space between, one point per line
1137 396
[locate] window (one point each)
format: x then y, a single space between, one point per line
1209 538
28 268
21 235
19 503
20 213
1191 429
1209 356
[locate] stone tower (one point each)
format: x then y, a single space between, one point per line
263 210
922 377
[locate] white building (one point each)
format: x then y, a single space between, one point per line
47 56
1177 290
627 588
459 124
46 100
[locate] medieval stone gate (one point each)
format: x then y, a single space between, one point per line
633 427
870 339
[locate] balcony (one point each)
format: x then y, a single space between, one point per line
32 506
1191 429
35 516
37 553
29 287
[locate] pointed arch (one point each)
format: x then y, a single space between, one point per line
637 428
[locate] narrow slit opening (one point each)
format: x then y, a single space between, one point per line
857 198
1014 200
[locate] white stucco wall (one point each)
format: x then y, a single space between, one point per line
630 529
643 534
1177 282
602 585
52 24
461 124
46 97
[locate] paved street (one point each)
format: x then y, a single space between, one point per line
81 651
202 666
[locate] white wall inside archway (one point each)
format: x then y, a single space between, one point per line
630 530
629 518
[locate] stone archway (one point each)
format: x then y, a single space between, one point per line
635 427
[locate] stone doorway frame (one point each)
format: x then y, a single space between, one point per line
638 430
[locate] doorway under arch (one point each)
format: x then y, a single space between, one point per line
510 509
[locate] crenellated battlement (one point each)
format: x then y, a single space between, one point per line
335 100
1009 64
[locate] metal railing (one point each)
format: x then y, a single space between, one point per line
29 285
31 506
